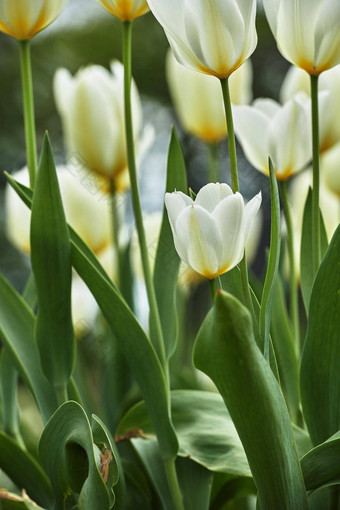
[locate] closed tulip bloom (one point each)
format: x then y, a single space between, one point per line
268 129
330 167
210 233
22 19
297 80
125 10
198 98
91 105
211 36
307 32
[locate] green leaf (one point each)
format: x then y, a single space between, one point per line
321 465
10 501
228 490
306 257
72 460
134 343
273 263
226 351
8 393
204 429
17 324
25 471
51 264
167 261
320 364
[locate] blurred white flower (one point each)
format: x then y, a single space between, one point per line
307 32
210 233
198 98
297 80
22 19
91 105
330 167
89 215
211 36
125 10
268 129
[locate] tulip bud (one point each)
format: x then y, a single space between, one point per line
307 32
211 36
268 129
125 10
210 233
22 19
198 98
91 105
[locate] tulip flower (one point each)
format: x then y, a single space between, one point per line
268 129
22 19
330 167
91 106
210 233
307 32
125 10
211 36
297 80
198 98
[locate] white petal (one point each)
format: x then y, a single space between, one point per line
250 211
296 80
327 35
211 194
271 8
175 203
198 241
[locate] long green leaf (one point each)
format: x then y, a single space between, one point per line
306 259
167 261
72 460
17 324
25 471
320 364
135 345
321 465
51 264
273 263
226 351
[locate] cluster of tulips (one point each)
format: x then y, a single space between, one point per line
250 417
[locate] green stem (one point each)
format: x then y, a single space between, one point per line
231 134
316 175
118 262
171 475
213 174
212 289
154 314
28 101
248 300
293 286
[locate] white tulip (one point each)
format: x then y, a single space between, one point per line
125 10
22 19
210 233
211 36
298 80
91 105
307 32
330 167
268 129
198 98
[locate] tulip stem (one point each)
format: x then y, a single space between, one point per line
316 174
157 338
171 475
115 235
212 290
294 302
231 134
214 174
28 103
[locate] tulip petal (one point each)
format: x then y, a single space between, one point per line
327 34
250 211
198 241
175 203
210 195
229 218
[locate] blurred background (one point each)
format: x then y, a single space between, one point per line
86 34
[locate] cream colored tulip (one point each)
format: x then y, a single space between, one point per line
307 32
210 233
91 105
298 80
268 129
198 98
330 167
22 19
211 36
125 10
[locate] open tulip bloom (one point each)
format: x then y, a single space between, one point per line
125 10
211 231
